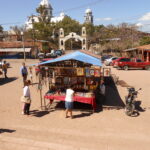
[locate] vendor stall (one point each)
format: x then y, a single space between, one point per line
78 69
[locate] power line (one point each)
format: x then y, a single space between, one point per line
66 10
81 6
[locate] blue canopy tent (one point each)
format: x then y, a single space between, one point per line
79 56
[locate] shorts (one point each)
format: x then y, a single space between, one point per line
68 105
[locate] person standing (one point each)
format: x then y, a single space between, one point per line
4 68
69 101
100 94
24 72
26 98
30 74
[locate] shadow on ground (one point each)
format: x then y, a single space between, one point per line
38 113
7 80
6 130
112 98
138 106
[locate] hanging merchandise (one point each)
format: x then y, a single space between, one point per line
92 72
80 80
97 72
80 71
92 87
73 80
58 80
66 80
90 81
87 72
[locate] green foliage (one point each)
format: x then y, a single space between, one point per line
89 28
1 28
69 25
145 40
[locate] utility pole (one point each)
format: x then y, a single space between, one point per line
33 36
23 44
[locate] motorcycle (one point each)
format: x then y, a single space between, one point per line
130 101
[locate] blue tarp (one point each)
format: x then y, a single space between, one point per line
76 56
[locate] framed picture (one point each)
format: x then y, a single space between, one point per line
97 72
92 72
87 72
80 71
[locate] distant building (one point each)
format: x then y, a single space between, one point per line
49 9
88 16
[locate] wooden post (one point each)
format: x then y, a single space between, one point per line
143 54
147 57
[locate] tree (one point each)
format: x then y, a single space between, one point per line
69 25
1 29
145 40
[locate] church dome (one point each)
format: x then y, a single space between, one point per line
88 11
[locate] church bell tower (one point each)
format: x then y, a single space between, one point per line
48 7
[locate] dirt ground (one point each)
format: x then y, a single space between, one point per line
50 130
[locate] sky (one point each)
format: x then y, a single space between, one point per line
16 12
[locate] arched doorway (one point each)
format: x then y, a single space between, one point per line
73 44
72 41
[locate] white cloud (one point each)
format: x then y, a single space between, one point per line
139 24
146 17
103 19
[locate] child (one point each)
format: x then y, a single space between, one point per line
69 101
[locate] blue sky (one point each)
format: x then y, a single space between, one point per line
15 12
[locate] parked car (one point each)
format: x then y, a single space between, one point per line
104 57
46 59
50 55
132 63
41 55
114 61
108 62
2 62
58 52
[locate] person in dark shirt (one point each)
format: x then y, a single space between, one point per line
100 94
4 68
24 72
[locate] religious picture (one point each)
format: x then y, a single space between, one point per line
87 72
92 72
97 72
80 71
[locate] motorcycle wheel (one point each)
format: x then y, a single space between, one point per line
129 109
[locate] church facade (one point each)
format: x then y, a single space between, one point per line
49 9
88 18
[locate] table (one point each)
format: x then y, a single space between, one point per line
87 100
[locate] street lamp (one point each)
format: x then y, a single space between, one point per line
22 34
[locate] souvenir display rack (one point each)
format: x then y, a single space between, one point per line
83 76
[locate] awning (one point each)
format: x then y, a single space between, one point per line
79 56
15 50
130 49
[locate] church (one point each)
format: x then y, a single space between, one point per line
29 24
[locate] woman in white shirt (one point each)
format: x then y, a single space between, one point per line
69 101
